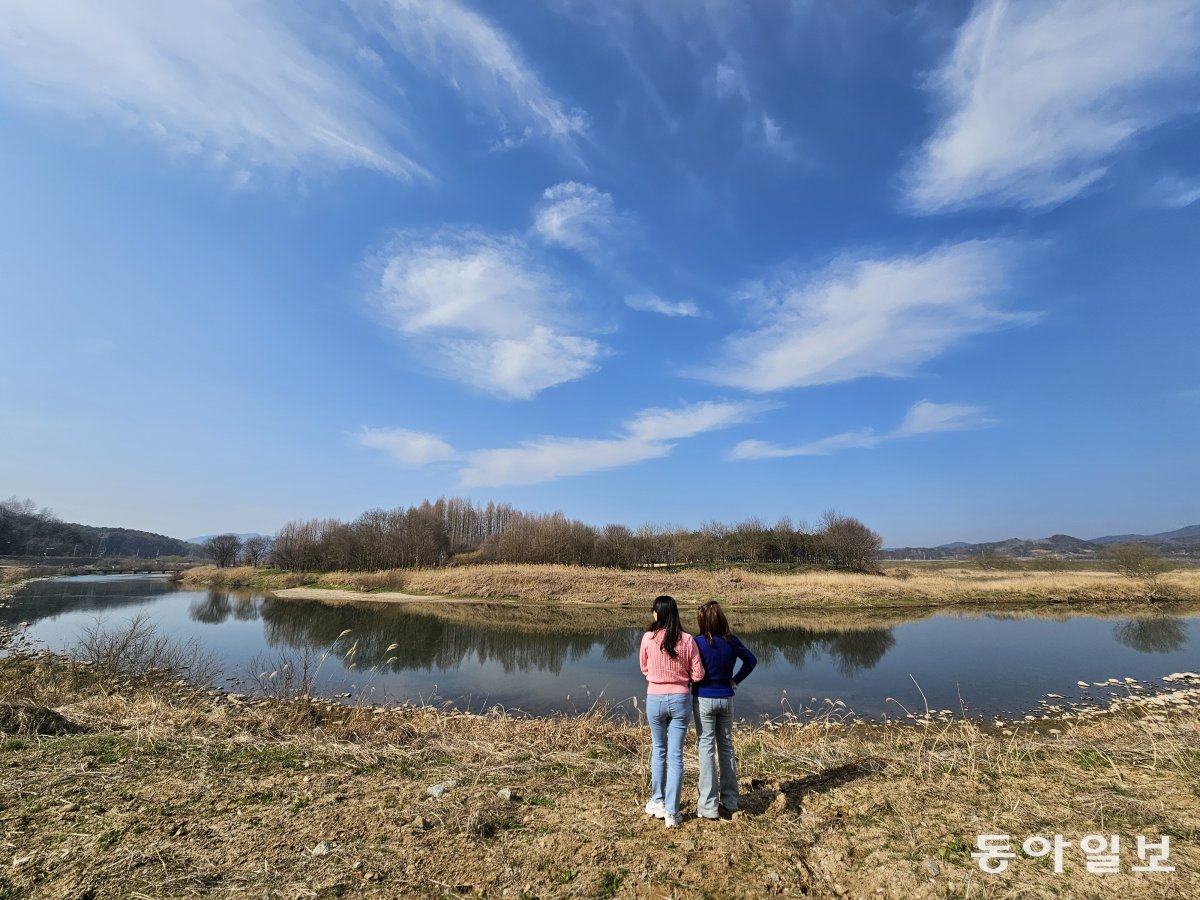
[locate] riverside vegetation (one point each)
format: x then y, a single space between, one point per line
909 585
119 778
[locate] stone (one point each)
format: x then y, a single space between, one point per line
438 790
417 824
932 867
322 849
508 795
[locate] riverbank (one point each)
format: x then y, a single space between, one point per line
168 791
898 586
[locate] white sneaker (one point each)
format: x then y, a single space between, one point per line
672 821
655 808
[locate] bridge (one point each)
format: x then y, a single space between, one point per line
123 570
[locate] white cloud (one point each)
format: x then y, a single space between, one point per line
224 78
760 129
484 310
1176 192
445 38
1038 95
581 217
927 417
647 302
728 81
688 421
552 458
409 448
768 135
648 435
866 317
924 417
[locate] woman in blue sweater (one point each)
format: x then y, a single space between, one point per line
712 710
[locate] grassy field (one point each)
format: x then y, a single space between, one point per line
171 791
897 585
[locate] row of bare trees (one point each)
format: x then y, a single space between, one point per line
434 534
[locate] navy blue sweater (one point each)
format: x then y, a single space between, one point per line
719 656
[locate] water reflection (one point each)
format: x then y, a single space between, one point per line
426 641
852 651
53 598
512 655
1160 634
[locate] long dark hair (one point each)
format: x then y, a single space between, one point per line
666 620
711 622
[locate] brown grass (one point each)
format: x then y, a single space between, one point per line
735 587
179 792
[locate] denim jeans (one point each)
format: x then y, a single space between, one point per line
714 741
668 715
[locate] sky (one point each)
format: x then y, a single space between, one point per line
929 264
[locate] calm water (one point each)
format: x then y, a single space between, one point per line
992 664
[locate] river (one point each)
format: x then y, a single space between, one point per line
986 663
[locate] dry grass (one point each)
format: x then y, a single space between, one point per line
13 574
735 587
180 792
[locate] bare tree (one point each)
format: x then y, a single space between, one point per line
224 549
255 550
1137 561
849 543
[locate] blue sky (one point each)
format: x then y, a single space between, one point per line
930 264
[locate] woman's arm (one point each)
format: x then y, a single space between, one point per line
696 663
748 661
644 656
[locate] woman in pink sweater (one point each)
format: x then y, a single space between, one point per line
670 662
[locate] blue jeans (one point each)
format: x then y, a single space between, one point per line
714 741
668 715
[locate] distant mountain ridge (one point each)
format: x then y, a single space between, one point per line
1187 533
1180 542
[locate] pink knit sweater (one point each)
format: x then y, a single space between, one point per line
667 675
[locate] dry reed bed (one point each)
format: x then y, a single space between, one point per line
739 588
182 792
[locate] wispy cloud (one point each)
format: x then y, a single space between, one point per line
483 311
225 79
649 435
761 130
924 417
1175 191
1191 393
581 217
866 317
445 38
409 448
1038 95
646 302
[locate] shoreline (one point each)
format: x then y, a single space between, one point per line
169 789
507 589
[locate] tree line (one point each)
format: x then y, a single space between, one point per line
457 530
26 530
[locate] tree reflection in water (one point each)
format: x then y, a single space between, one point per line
46 599
852 650
426 641
1160 634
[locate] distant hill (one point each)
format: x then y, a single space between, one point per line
1189 533
1183 542
27 532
